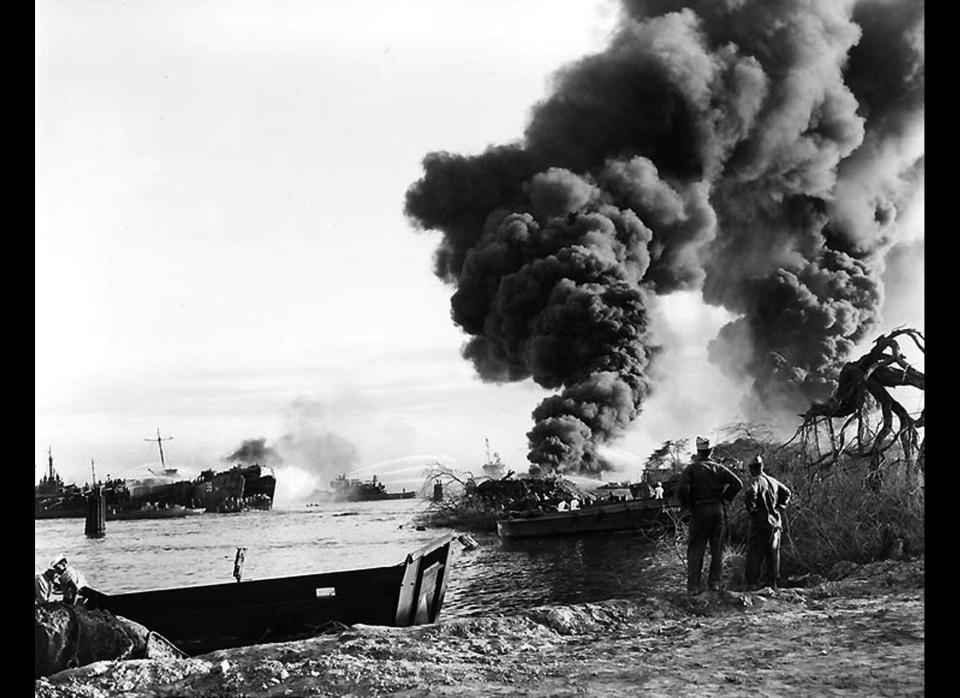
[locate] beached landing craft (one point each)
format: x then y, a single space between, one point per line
206 618
615 516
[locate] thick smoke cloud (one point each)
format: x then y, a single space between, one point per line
761 151
254 451
317 452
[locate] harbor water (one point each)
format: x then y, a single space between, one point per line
499 576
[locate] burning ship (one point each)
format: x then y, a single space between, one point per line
162 494
346 489
242 488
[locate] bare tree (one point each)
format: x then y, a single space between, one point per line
863 386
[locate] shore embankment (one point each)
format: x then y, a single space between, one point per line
859 631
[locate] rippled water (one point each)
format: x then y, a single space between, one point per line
499 576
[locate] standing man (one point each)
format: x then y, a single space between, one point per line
765 497
704 488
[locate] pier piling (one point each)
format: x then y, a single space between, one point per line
96 523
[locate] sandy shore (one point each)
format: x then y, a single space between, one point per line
860 634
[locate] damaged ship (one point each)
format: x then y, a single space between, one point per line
346 489
161 494
242 488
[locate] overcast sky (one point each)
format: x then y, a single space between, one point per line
221 250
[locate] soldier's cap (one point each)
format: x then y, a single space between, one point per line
756 460
58 559
703 444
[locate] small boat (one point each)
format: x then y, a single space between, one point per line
615 516
201 619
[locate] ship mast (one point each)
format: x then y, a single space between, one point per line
160 441
50 462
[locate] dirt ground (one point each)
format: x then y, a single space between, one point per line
859 633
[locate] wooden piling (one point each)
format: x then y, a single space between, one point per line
96 524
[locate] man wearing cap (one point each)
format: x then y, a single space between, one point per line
67 580
704 487
765 497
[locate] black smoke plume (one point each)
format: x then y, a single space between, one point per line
317 452
254 451
762 151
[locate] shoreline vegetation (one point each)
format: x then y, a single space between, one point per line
840 510
848 618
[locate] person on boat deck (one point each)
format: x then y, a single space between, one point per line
562 505
574 504
704 488
68 580
658 491
764 497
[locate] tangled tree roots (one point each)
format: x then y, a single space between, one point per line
870 376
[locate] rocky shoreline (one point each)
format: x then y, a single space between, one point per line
860 632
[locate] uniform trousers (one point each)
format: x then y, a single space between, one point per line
706 526
763 549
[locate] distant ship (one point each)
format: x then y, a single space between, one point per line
161 494
351 490
54 499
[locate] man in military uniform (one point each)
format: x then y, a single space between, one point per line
704 487
765 497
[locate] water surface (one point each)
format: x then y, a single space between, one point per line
500 576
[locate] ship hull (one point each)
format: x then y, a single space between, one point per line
360 496
121 513
235 490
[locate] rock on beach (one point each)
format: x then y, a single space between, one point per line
861 634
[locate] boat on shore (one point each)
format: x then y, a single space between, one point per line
625 515
201 619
